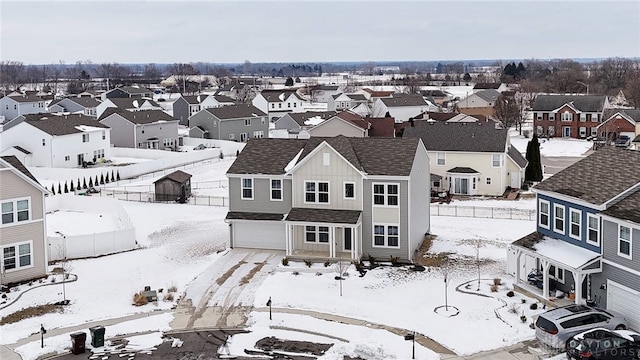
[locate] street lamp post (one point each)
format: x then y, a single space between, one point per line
42 332
587 85
269 305
412 337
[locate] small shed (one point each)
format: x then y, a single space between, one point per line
173 187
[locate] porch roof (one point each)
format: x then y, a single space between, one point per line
462 170
241 215
557 251
324 216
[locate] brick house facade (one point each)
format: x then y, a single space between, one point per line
574 116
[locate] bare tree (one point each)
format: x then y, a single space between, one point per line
506 110
151 72
11 75
181 73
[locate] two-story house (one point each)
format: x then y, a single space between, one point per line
322 93
340 102
185 106
401 107
343 123
129 104
295 122
128 92
63 141
481 102
330 197
472 158
76 105
276 103
574 116
147 129
587 237
23 232
13 106
233 122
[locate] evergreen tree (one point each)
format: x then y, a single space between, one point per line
84 183
78 186
520 71
96 182
533 172
66 188
289 82
73 188
53 189
101 179
118 175
112 177
106 178
90 182
466 77
59 188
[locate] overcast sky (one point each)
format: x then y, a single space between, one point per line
132 31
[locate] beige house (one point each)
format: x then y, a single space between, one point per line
471 158
344 123
23 228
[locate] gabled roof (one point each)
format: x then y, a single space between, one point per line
140 117
376 156
235 112
462 170
603 175
354 119
134 90
517 157
585 103
488 95
632 114
301 118
485 86
13 161
178 176
223 99
627 208
467 137
131 103
26 98
241 215
356 97
326 87
331 216
404 100
279 95
381 126
57 125
374 93
86 102
194 99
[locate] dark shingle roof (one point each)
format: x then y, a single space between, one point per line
57 125
300 118
18 165
140 117
633 114
354 119
516 156
488 95
485 86
135 90
131 103
357 97
26 98
236 215
326 87
381 126
178 176
469 137
86 101
22 150
597 178
529 241
586 103
462 170
404 100
377 156
236 112
222 98
278 95
627 209
324 215
194 99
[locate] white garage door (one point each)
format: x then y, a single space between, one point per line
624 301
259 234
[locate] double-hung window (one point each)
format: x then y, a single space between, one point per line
316 191
558 219
385 235
17 256
567 116
276 189
318 234
247 189
247 122
440 158
575 223
385 194
496 160
85 138
349 190
593 229
14 211
543 213
624 241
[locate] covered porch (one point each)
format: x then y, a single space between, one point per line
151 143
544 265
323 233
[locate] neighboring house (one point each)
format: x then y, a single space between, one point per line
23 231
481 102
61 141
619 122
322 93
330 198
401 106
232 122
129 104
173 187
13 106
499 87
185 106
439 97
128 92
295 122
276 103
147 129
344 123
340 102
587 240
381 127
373 95
472 158
76 105
575 116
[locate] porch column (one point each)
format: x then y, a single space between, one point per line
353 241
578 278
356 242
289 240
545 278
517 274
332 241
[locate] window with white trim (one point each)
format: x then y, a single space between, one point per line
385 194
488 181
440 158
624 241
552 116
247 189
558 218
67 158
16 210
232 136
593 229
349 190
543 213
316 191
276 189
594 117
583 117
85 138
575 223
104 135
17 256
556 273
386 236
258 134
539 116
247 122
567 116
594 131
496 160
318 234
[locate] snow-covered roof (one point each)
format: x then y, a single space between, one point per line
557 251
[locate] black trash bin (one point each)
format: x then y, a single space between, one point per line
78 340
97 336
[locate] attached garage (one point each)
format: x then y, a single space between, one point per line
258 234
624 301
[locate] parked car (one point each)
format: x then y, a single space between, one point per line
601 343
556 327
623 141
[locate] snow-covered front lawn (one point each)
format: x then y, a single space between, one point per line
552 147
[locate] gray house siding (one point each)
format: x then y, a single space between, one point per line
237 127
420 222
158 130
610 245
207 121
286 122
122 131
261 197
383 253
9 108
181 111
616 275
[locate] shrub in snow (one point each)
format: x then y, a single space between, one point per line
327 263
510 293
494 288
513 308
533 306
285 261
139 299
172 288
308 263
497 281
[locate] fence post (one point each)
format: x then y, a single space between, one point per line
492 216
511 213
474 211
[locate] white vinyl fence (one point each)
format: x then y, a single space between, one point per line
91 245
482 212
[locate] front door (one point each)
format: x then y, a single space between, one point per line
347 239
80 159
461 186
566 131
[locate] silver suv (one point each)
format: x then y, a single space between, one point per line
556 327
